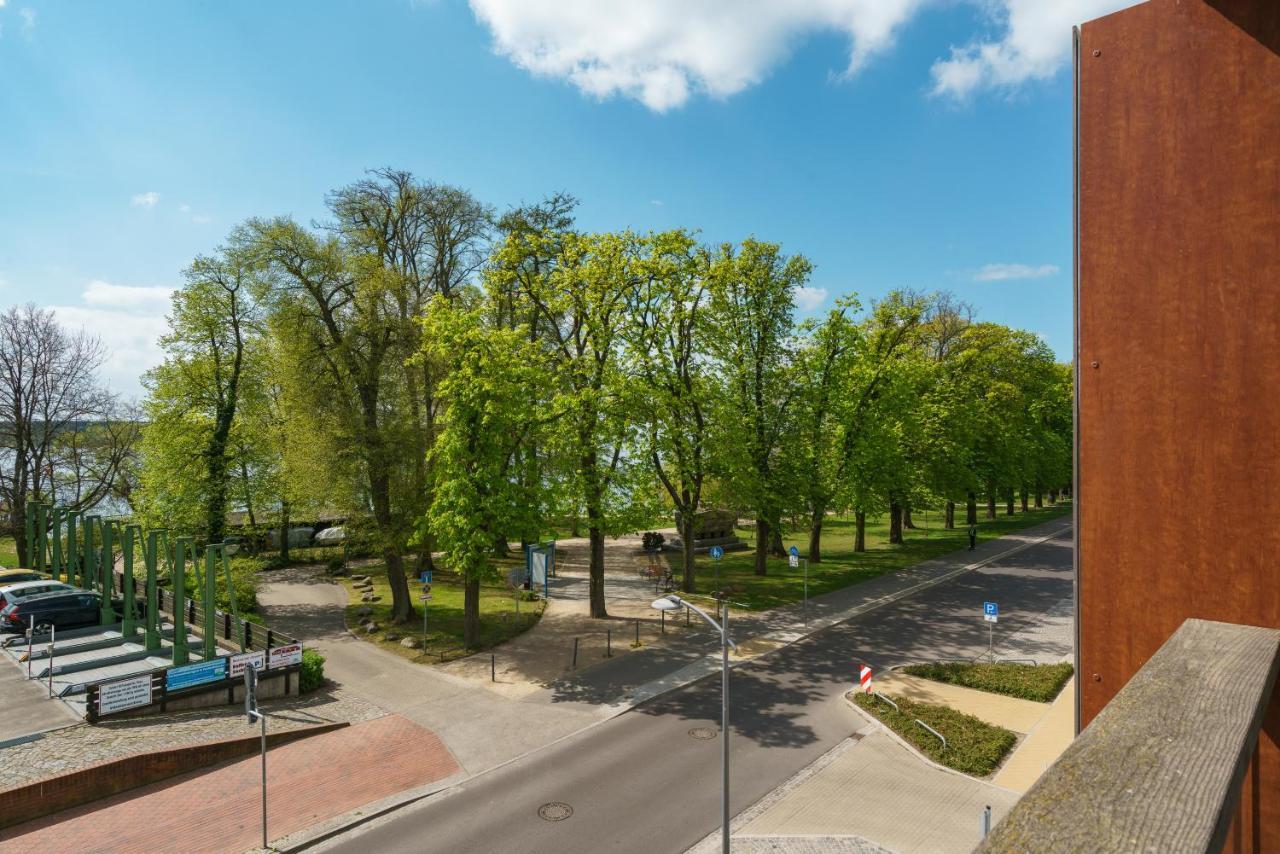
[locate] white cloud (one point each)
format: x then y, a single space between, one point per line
130 321
662 51
28 21
2 2
809 299
102 293
145 200
1004 272
1036 44
184 208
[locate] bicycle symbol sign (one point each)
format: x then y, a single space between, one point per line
717 552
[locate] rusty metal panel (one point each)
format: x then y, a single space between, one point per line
1178 342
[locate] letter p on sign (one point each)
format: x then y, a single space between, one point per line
864 678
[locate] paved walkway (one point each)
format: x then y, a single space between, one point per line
1012 713
219 811
1043 745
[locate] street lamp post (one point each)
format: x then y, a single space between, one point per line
673 602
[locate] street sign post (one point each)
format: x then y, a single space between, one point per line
991 613
425 598
253 714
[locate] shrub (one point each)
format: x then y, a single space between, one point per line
973 746
312 675
1029 681
335 565
652 540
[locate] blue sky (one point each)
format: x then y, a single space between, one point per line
921 144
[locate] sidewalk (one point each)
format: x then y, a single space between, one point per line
219 811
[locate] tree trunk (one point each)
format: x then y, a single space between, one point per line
950 522
500 546
1023 496
688 582
776 549
971 509
1008 503
895 523
762 546
906 517
1053 497
471 613
284 531
815 535
599 610
859 531
575 525
1039 495
991 504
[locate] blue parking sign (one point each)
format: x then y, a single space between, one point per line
990 611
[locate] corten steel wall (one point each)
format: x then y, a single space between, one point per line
1178 345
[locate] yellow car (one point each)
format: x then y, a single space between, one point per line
13 576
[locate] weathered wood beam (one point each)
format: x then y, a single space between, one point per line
1160 767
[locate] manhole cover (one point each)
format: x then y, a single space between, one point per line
555 811
702 732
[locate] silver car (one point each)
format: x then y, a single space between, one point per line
25 589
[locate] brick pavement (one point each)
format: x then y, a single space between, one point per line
219 810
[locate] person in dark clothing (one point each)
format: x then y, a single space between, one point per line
973 537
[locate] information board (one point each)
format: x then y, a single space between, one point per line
213 670
283 656
238 663
124 694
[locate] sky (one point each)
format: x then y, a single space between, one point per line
923 144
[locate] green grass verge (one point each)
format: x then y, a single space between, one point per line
498 620
841 566
1030 682
8 552
973 746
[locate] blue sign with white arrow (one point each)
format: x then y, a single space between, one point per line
793 551
717 552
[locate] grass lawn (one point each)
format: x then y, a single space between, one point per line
973 746
498 621
8 552
1030 682
841 566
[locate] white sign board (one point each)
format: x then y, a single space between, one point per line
283 656
124 694
794 560
239 662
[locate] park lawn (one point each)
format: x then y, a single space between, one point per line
973 746
498 622
8 552
841 566
1040 682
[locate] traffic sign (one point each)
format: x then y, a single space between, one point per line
793 559
425 577
717 552
793 551
864 678
425 597
990 612
426 588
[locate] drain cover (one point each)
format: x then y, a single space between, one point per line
702 732
555 811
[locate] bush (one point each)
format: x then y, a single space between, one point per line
973 746
1029 681
652 540
312 674
336 565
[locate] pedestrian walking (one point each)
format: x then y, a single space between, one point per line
973 536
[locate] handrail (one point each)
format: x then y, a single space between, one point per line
1163 762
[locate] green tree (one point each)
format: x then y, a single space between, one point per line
751 308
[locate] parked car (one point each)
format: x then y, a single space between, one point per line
27 589
13 576
63 610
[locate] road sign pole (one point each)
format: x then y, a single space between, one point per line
806 591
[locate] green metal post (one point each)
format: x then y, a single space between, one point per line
179 568
129 621
231 597
73 553
42 536
27 559
151 556
56 524
89 566
106 567
210 596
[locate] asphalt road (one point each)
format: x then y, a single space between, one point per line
640 782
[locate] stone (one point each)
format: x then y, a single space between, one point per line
368 597
363 612
411 643
391 636
371 628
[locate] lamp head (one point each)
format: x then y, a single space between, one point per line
668 603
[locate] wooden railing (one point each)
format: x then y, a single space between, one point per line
1160 768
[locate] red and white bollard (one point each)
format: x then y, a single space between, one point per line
864 678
